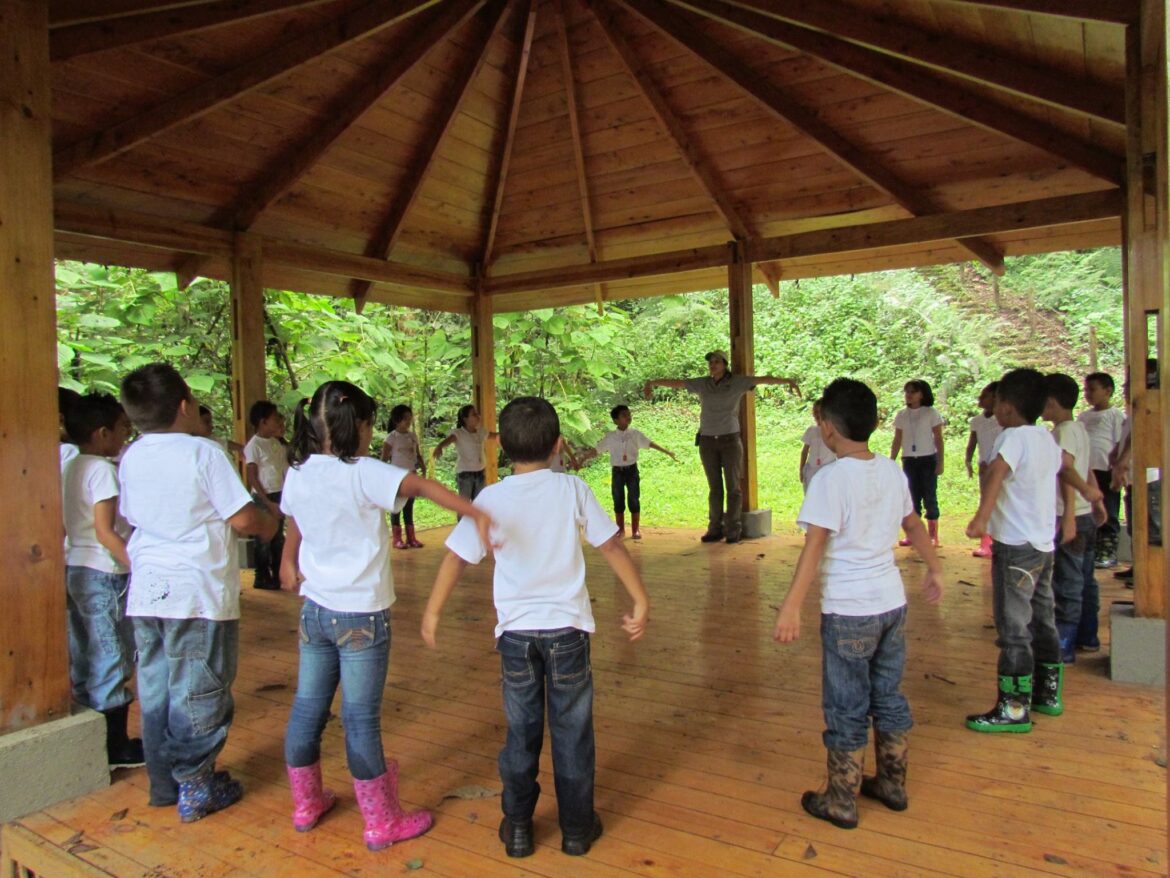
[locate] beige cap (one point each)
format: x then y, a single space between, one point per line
717 354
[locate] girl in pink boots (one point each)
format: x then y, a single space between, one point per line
337 552
401 449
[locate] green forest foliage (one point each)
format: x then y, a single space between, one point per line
955 326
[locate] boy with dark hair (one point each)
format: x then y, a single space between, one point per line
1018 508
1104 423
266 463
101 638
852 512
207 431
184 498
544 621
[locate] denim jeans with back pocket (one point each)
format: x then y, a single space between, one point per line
101 638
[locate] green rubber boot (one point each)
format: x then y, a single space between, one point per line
1048 695
1012 709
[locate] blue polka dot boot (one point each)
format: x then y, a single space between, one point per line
206 794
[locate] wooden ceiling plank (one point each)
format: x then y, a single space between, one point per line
964 58
252 74
528 29
64 13
383 241
574 125
695 161
801 118
100 36
1110 11
909 80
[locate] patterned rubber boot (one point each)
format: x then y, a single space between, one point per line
396 529
888 786
1012 711
207 793
838 803
1048 689
1068 641
411 540
620 518
310 798
635 534
386 822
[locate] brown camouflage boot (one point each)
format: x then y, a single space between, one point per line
838 803
889 785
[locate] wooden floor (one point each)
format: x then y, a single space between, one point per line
707 733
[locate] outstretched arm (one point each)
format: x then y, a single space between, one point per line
622 565
791 383
417 486
438 449
665 451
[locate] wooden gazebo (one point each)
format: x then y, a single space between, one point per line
503 155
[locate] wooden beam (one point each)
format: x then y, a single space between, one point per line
1109 11
909 80
483 372
34 675
249 380
64 13
804 120
371 270
771 273
574 126
416 174
696 163
967 59
527 19
203 98
99 36
743 362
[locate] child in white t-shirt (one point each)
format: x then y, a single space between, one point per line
101 637
335 499
815 453
186 502
66 399
544 621
985 429
207 431
266 460
401 448
1104 423
852 513
1018 509
469 449
918 435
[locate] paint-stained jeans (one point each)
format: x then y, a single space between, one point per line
1022 601
101 638
722 458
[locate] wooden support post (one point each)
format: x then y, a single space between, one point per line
743 361
483 371
249 381
34 673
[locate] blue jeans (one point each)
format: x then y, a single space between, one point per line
469 484
922 476
352 649
101 638
557 661
186 668
1090 597
1111 529
862 675
1022 602
623 479
1068 570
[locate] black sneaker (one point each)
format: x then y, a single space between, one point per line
1124 574
517 837
578 847
711 536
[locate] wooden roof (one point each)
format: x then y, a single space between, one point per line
554 151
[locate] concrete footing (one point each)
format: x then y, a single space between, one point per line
51 762
757 523
1137 647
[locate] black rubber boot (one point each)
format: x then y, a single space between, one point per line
1048 689
517 837
577 847
1012 709
122 751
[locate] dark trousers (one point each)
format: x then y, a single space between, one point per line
625 479
922 475
268 553
407 513
1108 533
722 458
1022 603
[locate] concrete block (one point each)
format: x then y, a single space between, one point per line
1137 646
1124 548
757 523
52 762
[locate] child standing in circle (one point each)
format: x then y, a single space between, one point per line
469 442
985 429
918 435
815 453
337 550
401 449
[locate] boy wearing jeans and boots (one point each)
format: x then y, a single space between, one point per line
852 512
184 499
544 621
1018 509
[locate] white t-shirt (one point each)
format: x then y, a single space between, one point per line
986 431
178 491
1153 473
539 581
917 426
87 480
622 446
1104 433
345 547
403 450
1072 437
1026 508
271 459
68 451
468 449
819 454
861 503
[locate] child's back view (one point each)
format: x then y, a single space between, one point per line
544 621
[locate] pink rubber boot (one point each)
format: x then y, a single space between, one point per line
396 529
411 539
984 550
310 799
386 822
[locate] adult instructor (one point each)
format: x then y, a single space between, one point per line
720 447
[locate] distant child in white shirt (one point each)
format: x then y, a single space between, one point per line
544 621
623 445
815 453
1018 509
266 459
66 399
402 449
338 552
469 448
186 503
985 429
918 435
101 637
207 431
1104 423
852 513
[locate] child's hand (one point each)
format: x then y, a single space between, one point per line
787 625
977 528
1094 494
430 624
932 587
483 524
635 624
290 576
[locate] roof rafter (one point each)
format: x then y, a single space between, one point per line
63 13
950 54
252 74
416 173
803 120
574 125
910 80
1111 11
